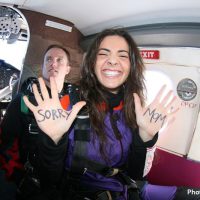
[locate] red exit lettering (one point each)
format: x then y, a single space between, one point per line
150 54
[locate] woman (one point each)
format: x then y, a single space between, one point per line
100 143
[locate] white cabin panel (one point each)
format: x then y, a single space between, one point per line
184 80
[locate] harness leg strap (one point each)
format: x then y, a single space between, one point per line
105 195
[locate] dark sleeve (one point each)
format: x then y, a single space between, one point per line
52 159
137 155
10 129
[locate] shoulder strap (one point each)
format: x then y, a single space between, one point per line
80 162
26 89
81 133
24 108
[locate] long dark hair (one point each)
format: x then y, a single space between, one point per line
93 93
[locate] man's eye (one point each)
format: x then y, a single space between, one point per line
49 59
59 59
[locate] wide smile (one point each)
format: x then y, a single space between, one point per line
111 73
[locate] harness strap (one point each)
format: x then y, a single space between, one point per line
105 195
81 137
24 108
81 164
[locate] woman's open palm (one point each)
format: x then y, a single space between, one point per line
152 118
51 118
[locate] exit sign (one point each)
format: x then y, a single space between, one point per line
150 54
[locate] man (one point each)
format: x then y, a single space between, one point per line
56 64
19 131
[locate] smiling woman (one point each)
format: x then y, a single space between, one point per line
113 63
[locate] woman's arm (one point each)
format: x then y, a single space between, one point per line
150 119
137 155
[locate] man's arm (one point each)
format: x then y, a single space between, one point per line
52 159
10 130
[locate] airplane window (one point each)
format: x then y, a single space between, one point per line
7 51
14 39
154 80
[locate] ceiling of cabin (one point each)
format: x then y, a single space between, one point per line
91 16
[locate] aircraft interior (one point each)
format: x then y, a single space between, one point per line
168 37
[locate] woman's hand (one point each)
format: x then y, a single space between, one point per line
152 118
51 118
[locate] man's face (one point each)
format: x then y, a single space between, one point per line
55 64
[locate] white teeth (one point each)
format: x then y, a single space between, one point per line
111 73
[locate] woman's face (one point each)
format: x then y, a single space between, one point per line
113 63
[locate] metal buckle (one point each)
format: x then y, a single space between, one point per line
109 195
84 170
114 172
105 195
32 130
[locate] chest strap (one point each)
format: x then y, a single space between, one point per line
81 138
80 162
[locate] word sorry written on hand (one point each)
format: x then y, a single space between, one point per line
53 114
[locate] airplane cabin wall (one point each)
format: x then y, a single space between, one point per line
179 69
177 158
42 36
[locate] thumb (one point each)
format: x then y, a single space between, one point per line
75 109
137 101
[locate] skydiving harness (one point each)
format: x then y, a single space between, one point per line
80 163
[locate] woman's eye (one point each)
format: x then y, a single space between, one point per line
123 56
102 54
